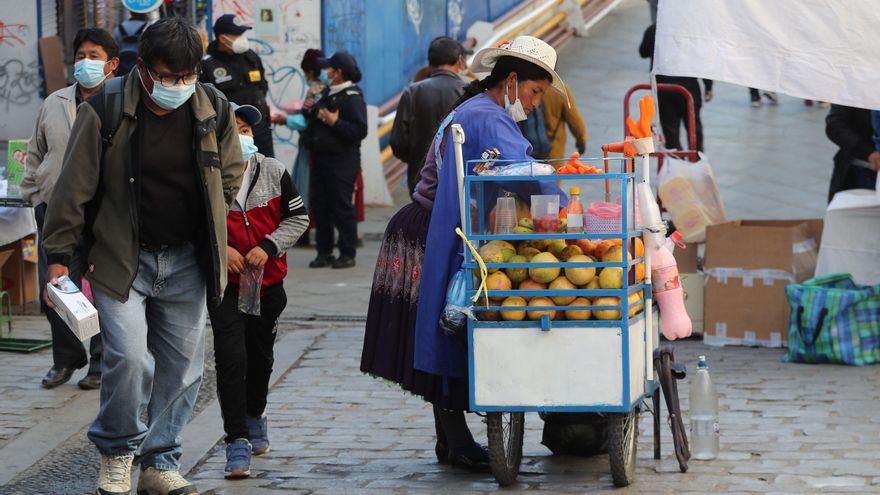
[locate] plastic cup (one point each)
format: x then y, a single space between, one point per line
505 215
545 212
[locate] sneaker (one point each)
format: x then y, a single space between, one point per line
238 459
756 103
322 260
258 431
157 482
115 475
770 95
824 104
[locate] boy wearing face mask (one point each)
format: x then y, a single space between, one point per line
152 200
237 71
95 54
265 220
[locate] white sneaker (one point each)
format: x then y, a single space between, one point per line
770 95
115 475
156 482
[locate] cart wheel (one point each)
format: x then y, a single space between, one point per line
505 431
623 434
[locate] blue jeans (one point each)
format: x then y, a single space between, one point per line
154 351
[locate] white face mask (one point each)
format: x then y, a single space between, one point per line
515 109
240 45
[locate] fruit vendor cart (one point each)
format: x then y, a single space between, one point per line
530 360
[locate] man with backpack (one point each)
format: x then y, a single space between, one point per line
152 164
128 35
238 72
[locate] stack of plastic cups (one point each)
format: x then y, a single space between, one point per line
505 215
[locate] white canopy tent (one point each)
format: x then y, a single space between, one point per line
824 50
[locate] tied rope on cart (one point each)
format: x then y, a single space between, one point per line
453 318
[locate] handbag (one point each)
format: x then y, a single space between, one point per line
833 320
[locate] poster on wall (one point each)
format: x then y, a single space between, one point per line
283 31
19 73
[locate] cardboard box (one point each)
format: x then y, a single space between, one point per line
747 264
74 308
692 285
18 270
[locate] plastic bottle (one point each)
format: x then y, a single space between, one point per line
674 320
705 428
575 211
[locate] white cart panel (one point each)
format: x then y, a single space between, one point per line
637 375
567 366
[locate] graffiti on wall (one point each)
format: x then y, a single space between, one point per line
283 31
19 72
455 16
19 83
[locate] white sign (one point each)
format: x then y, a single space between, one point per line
823 50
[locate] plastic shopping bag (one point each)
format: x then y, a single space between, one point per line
457 310
249 282
689 193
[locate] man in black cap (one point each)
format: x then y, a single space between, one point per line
424 104
237 70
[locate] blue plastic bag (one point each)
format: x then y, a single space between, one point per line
455 314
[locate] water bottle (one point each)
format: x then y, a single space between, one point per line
575 211
705 428
674 320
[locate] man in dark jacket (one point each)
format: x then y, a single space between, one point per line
672 106
152 200
424 104
237 70
855 163
337 123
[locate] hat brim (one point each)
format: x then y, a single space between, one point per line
236 30
485 59
249 113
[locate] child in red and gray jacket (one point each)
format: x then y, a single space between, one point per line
267 218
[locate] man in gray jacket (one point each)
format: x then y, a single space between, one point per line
151 198
424 104
96 57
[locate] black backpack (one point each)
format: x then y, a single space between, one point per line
128 35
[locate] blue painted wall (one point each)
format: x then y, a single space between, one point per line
390 38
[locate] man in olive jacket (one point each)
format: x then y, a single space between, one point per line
153 203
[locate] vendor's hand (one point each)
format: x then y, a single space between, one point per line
234 260
327 117
874 158
53 273
257 258
279 118
709 95
581 148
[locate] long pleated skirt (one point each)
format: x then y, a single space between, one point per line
389 337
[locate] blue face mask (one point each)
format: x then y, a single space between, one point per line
170 98
324 78
248 148
89 73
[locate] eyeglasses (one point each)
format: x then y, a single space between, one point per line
169 80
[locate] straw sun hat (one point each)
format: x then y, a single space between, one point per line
526 48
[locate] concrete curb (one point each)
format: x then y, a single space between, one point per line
44 437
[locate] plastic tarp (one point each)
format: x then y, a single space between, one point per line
823 50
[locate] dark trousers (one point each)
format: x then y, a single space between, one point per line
263 137
331 189
67 350
244 355
673 113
